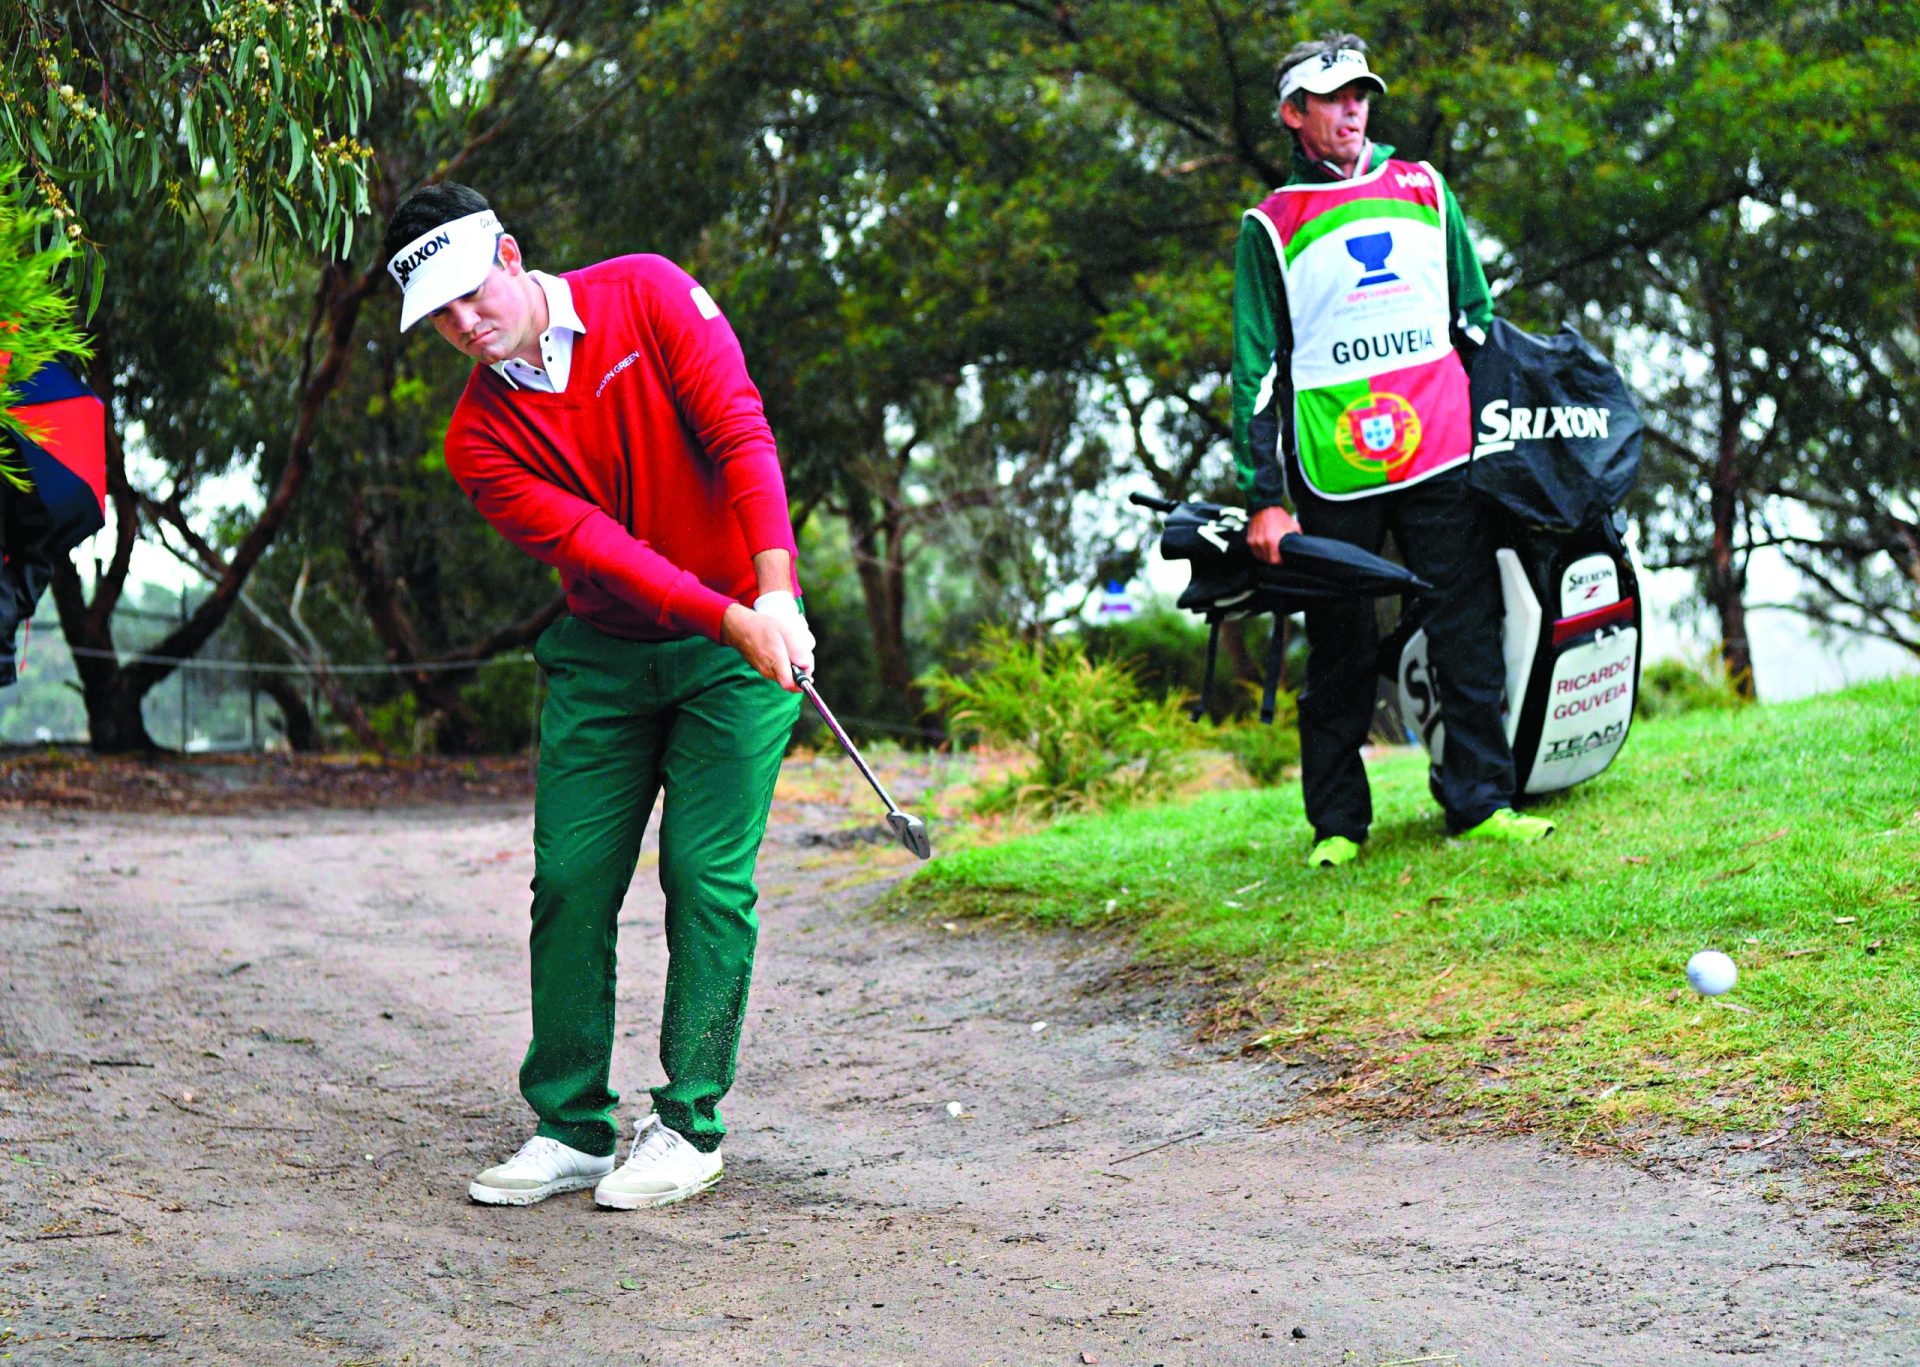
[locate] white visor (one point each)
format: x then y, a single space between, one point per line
444 263
1327 72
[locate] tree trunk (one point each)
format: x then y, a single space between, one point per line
1726 589
302 736
880 561
448 720
114 721
1726 570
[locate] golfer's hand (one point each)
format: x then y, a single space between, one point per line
1264 530
762 641
784 609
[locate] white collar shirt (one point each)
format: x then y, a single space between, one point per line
556 343
1360 167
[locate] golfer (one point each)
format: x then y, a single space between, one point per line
1356 296
610 430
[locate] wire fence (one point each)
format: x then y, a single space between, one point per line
217 701
221 701
127 657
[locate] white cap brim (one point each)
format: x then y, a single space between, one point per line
444 263
1328 72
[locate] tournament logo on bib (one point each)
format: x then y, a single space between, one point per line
1372 252
1379 432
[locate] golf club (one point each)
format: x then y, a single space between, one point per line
909 829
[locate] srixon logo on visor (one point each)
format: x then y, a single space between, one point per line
404 269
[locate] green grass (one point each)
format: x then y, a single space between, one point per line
1541 987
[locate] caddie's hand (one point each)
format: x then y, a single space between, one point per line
784 609
761 641
1264 530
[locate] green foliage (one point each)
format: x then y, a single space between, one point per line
1673 688
1167 650
1543 984
38 316
1269 754
1727 203
397 723
980 268
843 668
1164 647
501 702
269 100
1096 740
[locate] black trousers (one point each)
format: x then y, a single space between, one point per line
1445 539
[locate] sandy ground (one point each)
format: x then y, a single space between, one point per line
247 1065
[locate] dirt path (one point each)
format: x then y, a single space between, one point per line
248 1064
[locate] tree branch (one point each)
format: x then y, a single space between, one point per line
1877 613
516 634
1639 243
343 293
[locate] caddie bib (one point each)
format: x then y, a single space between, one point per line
1379 394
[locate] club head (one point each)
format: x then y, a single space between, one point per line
912 833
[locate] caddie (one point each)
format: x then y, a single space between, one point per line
1357 304
610 430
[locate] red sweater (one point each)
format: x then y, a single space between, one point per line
652 481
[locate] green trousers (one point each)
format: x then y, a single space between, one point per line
622 721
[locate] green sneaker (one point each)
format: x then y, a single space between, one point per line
1509 827
1332 852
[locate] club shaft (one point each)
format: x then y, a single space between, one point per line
839 734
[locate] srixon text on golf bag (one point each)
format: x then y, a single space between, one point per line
1557 446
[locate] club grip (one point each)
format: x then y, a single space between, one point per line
1159 505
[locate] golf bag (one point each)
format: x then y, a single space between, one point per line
1571 640
1557 448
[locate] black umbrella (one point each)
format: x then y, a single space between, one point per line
1317 568
1228 582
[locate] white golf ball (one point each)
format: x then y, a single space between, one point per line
1711 973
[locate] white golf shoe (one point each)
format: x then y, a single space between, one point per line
663 1168
543 1167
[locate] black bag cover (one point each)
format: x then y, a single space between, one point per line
1557 433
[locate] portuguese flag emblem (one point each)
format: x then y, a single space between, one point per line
1377 431
1385 429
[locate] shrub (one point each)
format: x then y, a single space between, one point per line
1269 754
1167 650
1096 740
397 723
1672 688
501 701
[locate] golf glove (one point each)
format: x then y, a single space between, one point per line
784 609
